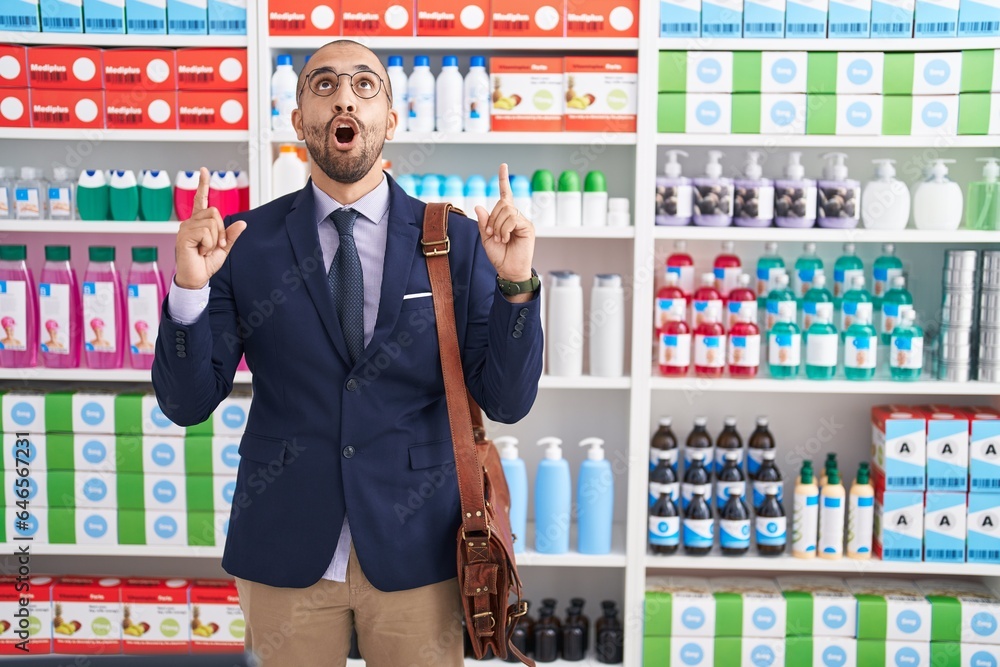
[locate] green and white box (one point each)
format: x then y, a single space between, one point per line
696 71
96 526
34 489
749 652
23 412
695 113
951 654
164 493
83 490
891 653
890 609
819 606
163 455
978 113
821 652
769 113
166 528
920 115
94 453
981 71
93 412
225 454
847 115
748 607
154 422
32 454
692 651
783 71
845 73
679 606
962 611
923 73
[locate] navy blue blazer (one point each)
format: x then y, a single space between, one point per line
325 437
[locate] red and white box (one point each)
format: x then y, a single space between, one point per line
15 107
156 616
527 94
76 109
72 67
602 18
446 18
601 93
13 66
87 615
217 624
211 69
525 18
214 110
304 17
25 627
140 69
140 110
377 18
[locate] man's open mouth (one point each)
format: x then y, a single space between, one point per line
344 132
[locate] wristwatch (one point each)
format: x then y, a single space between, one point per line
509 288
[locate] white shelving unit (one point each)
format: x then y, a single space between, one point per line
137 136
767 141
497 138
141 41
491 44
875 45
817 235
844 567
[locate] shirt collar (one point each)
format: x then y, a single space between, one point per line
372 206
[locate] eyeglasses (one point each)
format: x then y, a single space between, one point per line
324 82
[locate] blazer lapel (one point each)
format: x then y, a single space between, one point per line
300 223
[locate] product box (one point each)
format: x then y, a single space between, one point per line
87 615
806 19
936 18
14 105
210 493
22 451
23 412
769 113
90 453
821 651
211 69
947 444
229 418
61 16
819 606
952 654
28 627
146 17
962 611
382 19
749 651
164 493
603 18
978 19
187 17
212 110
845 73
984 518
844 114
77 109
695 113
944 527
696 72
36 526
20 16
137 414
303 17
90 526
892 19
140 70
528 94
923 115
155 111
764 19
722 18
687 651
217 624
163 455
769 72
748 607
221 525
980 71
464 18
601 94
680 18
899 525
922 73
155 616
85 490
882 653
104 16
204 527
679 606
891 609
850 19
227 17
899 448
13 66
522 18
152 527
984 439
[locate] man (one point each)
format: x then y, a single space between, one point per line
346 509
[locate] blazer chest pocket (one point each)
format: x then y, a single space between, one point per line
431 455
263 450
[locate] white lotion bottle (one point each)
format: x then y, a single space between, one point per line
937 202
885 202
607 326
397 81
420 96
448 104
564 326
476 109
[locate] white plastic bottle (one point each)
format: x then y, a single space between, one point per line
476 109
420 96
564 326
607 326
397 80
832 501
288 173
937 202
885 202
448 106
805 518
861 516
284 82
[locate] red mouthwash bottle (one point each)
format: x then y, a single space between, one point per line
671 304
727 270
675 348
681 264
709 348
742 302
707 301
744 349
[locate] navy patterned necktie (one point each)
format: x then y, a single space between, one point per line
347 283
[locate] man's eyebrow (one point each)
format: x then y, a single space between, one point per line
363 68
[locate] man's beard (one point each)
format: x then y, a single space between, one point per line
340 166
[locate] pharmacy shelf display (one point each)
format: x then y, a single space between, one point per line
771 141
493 138
859 45
717 563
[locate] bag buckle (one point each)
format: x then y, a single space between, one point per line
437 251
489 534
522 609
493 621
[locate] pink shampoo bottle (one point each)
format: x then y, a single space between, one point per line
103 310
18 309
145 296
60 310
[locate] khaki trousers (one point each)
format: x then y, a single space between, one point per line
311 627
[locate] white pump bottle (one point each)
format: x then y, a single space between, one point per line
885 202
937 202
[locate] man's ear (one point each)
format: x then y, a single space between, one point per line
391 122
297 124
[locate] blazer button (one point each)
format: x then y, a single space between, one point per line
518 327
348 452
352 384
182 354
516 334
521 320
524 312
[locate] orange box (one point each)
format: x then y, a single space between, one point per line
13 66
601 93
527 94
73 67
217 624
602 18
155 616
87 615
378 18
140 69
77 109
213 110
459 18
524 18
304 17
211 69
140 110
15 107
31 624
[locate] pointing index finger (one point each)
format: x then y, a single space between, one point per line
201 194
505 191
